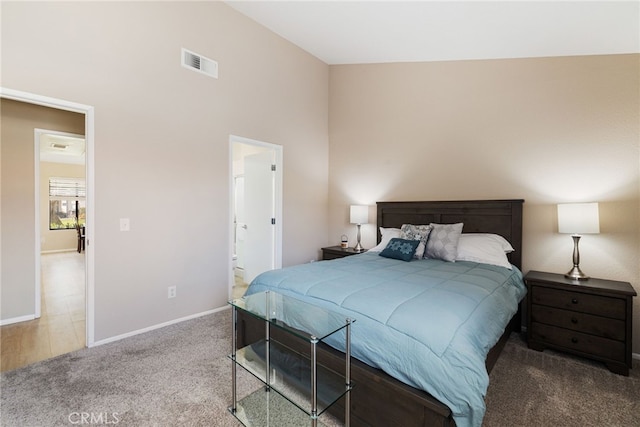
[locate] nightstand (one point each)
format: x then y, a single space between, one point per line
333 252
590 318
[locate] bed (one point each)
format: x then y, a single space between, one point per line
434 383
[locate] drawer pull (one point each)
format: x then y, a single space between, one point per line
574 320
574 300
574 340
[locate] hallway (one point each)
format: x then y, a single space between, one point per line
61 327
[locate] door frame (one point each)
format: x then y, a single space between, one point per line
233 140
89 123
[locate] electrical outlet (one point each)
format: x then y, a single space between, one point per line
171 292
125 225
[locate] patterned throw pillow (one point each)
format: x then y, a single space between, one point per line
443 241
400 249
416 232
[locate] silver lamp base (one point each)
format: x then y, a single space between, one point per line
358 247
576 274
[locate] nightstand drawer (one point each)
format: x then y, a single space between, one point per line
328 255
577 301
581 322
580 342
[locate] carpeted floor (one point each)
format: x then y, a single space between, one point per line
180 376
531 388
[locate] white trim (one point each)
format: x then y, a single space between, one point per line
278 149
45 101
158 326
89 176
57 251
36 155
89 123
17 319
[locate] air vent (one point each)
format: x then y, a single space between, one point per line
199 63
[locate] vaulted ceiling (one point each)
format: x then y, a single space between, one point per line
353 32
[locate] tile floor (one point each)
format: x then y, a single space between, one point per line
61 327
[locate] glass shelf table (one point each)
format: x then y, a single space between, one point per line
296 388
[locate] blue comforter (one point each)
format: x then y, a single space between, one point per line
428 323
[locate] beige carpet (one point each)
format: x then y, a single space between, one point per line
530 388
180 376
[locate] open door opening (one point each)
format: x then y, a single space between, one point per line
61 214
21 225
256 218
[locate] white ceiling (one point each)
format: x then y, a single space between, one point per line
356 32
58 148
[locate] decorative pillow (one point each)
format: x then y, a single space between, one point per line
443 241
400 249
416 232
387 235
485 249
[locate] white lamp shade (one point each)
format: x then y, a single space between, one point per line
578 218
359 214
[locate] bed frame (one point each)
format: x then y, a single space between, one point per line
377 398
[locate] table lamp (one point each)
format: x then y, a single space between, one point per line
577 219
359 216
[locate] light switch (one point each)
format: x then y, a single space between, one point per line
124 224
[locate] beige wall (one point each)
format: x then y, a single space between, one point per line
56 240
162 139
17 145
547 130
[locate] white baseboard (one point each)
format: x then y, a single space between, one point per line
17 319
158 326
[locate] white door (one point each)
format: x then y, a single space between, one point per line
259 214
240 224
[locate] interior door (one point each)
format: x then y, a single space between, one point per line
259 213
240 222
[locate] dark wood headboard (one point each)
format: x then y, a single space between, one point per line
503 217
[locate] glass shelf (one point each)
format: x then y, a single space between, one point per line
312 321
296 388
263 408
290 375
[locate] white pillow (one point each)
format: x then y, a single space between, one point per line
484 248
387 235
483 237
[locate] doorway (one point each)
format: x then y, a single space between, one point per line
60 170
256 210
60 188
88 276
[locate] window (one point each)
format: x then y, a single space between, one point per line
67 203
